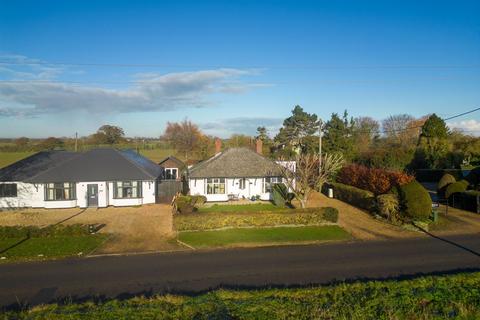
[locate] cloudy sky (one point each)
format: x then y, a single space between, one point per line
231 66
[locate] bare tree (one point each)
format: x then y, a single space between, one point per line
331 164
307 177
184 136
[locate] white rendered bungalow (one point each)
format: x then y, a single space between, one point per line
96 178
235 173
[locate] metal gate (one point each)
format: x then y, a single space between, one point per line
167 189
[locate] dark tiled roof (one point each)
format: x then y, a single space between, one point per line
175 160
236 163
31 166
101 165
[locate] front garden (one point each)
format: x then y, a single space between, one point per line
201 226
395 196
33 243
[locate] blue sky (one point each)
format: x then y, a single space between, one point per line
231 66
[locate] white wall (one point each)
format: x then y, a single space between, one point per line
33 195
253 187
82 194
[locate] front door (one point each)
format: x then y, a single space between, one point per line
92 195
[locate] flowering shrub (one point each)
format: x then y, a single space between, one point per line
378 181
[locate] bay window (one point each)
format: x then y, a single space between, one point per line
60 191
216 186
127 189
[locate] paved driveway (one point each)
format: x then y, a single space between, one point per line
133 229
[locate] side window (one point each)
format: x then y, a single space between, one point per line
8 190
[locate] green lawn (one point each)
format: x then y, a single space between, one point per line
7 158
23 249
428 297
230 237
261 206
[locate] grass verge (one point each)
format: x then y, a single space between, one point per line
231 237
29 249
430 297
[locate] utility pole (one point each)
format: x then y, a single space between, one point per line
320 132
76 141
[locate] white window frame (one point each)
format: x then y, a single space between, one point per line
269 181
169 173
216 186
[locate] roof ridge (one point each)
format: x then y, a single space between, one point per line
58 165
136 165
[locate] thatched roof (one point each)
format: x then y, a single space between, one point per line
236 163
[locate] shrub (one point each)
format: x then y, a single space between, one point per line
433 175
184 204
444 182
198 200
456 187
415 202
358 197
467 200
330 214
375 180
388 206
281 196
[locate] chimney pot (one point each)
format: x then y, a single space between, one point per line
259 146
218 146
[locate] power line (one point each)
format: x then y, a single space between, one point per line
154 65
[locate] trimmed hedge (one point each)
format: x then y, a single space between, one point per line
188 204
468 200
459 186
415 201
444 182
358 197
48 232
217 220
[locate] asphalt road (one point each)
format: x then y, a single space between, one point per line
192 272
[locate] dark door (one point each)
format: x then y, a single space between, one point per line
92 195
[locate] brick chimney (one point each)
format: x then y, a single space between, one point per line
218 145
259 146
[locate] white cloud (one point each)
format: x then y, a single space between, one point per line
471 126
148 91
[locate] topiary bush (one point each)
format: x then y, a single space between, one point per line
444 182
358 197
415 202
198 200
388 206
459 186
330 214
183 204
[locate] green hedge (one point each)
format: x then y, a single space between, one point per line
358 197
466 200
459 186
216 220
444 182
428 297
415 201
36 232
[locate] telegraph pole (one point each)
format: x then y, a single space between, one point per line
76 141
320 146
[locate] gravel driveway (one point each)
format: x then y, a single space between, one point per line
133 229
